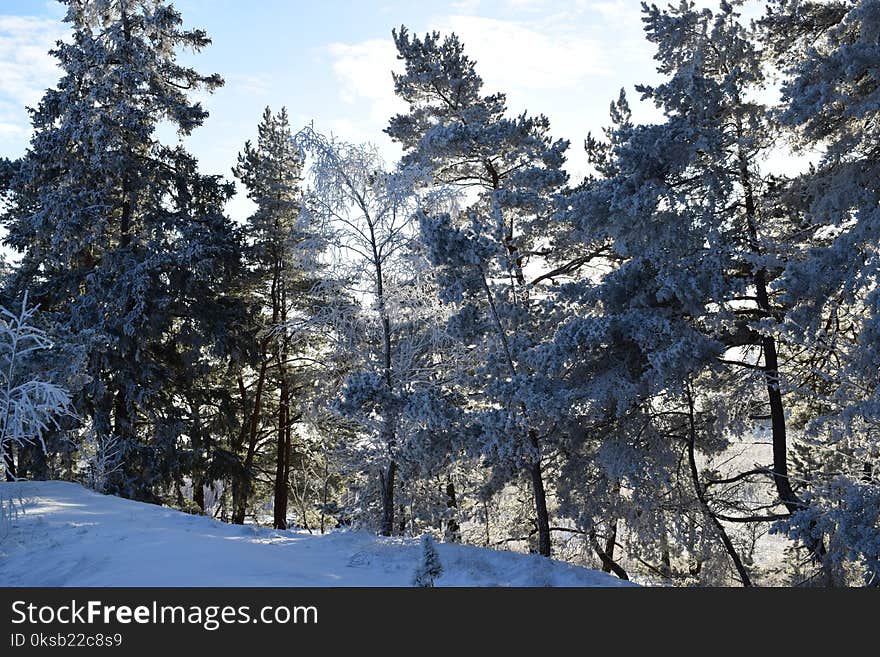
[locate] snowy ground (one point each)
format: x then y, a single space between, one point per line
65 535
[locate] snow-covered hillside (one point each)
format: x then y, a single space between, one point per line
66 535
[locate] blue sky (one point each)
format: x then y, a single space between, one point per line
330 62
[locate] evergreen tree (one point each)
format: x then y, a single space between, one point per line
676 346
485 254
117 229
430 567
830 105
284 255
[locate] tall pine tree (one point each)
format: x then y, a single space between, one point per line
284 258
487 254
119 233
829 53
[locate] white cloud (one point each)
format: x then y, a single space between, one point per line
617 12
513 56
466 6
523 61
254 84
12 130
364 72
530 5
26 68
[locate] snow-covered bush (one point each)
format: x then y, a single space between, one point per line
430 567
104 458
30 406
11 507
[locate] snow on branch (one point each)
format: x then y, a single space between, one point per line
29 405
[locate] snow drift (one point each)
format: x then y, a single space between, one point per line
57 533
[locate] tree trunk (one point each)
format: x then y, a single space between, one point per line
401 521
324 492
236 485
386 483
487 525
198 481
665 561
32 463
241 493
452 532
282 466
199 492
122 425
777 419
123 428
606 555
771 360
389 430
239 501
282 457
609 548
181 502
542 517
701 495
9 461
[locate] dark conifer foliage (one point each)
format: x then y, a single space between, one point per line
124 243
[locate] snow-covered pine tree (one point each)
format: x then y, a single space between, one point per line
430 568
486 254
117 229
7 173
687 299
830 104
284 256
